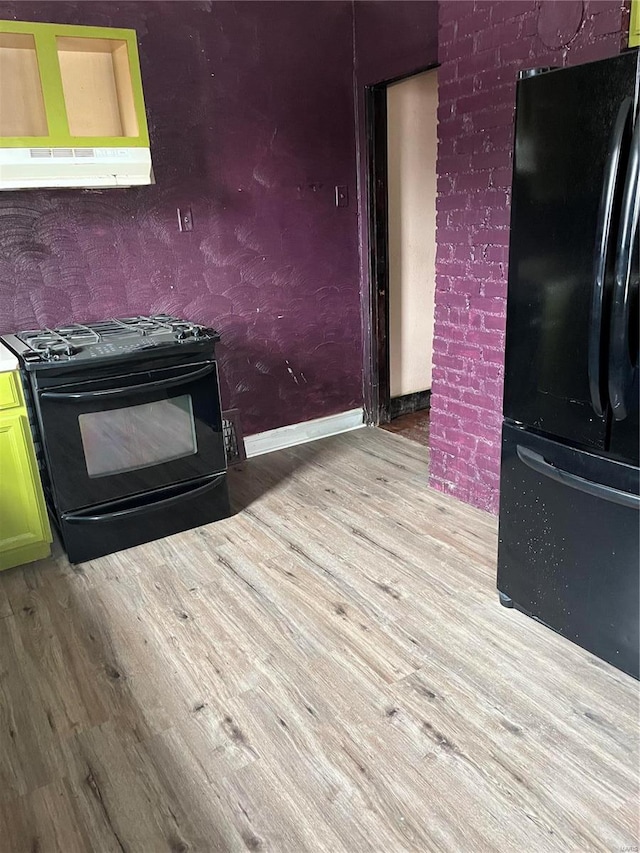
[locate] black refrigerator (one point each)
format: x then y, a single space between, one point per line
569 501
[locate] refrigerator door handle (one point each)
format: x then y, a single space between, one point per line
605 214
621 367
598 490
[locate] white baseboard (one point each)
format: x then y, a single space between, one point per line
289 436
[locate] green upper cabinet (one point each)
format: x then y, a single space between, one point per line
63 85
71 92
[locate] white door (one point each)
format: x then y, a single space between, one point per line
412 106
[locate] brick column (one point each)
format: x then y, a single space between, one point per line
482 46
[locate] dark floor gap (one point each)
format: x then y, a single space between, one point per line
414 426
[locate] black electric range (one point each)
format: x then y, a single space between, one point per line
127 420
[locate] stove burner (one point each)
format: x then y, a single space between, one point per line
54 350
50 344
43 342
109 338
139 324
79 333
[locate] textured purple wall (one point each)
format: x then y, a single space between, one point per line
391 39
251 117
394 38
482 46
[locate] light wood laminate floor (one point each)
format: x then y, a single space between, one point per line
328 670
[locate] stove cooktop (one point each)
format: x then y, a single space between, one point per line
114 338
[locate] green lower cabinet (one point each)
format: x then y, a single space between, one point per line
24 527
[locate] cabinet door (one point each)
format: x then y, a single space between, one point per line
10 396
66 86
22 518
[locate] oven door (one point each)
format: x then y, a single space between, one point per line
112 438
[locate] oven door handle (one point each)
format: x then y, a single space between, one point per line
81 518
108 393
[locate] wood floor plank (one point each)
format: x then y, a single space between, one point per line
328 669
303 751
49 820
476 744
5 604
139 795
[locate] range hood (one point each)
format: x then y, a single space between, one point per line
31 168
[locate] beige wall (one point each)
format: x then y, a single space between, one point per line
412 141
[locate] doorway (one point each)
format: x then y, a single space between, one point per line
402 119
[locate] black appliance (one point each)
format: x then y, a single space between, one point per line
128 426
569 503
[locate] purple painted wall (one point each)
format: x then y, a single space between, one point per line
394 38
252 125
482 45
391 39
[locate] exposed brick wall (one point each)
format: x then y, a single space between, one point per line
482 45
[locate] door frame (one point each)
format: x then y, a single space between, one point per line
378 378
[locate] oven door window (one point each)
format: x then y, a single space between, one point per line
120 440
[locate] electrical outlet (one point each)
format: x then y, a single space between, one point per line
185 219
342 197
